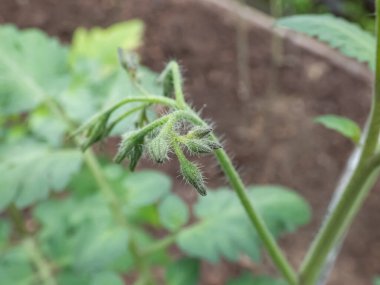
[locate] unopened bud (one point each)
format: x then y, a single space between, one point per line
158 148
192 175
199 132
135 154
197 146
127 145
213 144
96 132
201 146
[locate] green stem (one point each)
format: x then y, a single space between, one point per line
17 220
174 69
36 256
102 181
149 100
266 237
123 116
104 187
254 216
42 266
355 192
268 240
159 245
117 211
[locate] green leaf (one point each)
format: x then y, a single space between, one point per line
47 127
376 281
224 230
102 44
32 67
69 277
99 246
349 38
96 91
143 240
183 271
248 279
146 187
342 125
173 213
80 234
107 278
15 268
29 171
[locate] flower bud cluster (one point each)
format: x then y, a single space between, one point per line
162 136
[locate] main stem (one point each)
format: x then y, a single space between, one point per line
355 192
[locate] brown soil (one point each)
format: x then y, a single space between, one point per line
271 134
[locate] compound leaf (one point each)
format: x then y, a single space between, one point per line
173 212
15 267
29 171
349 38
224 230
107 278
342 125
100 246
32 66
146 187
80 232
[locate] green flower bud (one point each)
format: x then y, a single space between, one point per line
192 175
199 132
197 146
96 132
200 146
129 147
135 155
213 144
158 148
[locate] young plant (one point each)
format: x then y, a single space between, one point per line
98 230
71 218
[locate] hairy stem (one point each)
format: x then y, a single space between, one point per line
355 192
236 182
266 237
174 69
254 216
